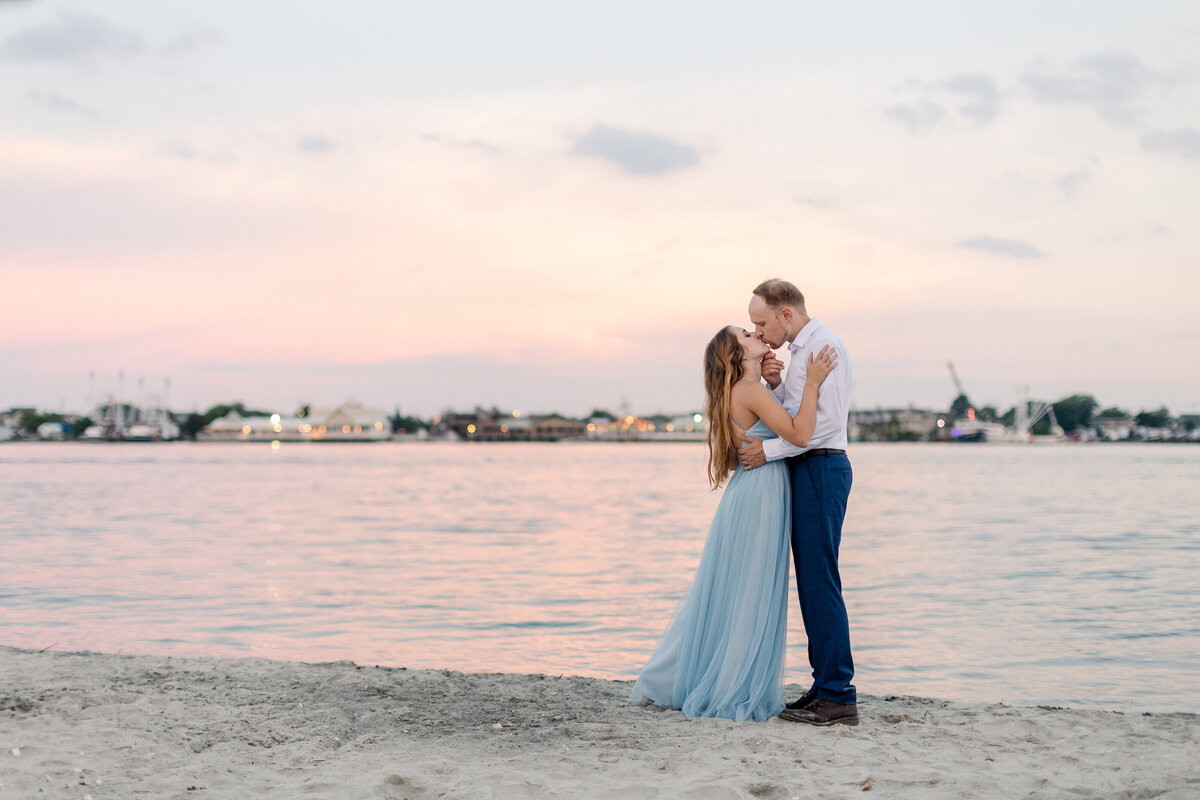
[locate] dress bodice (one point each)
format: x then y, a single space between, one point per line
759 430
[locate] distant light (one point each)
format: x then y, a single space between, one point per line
516 413
697 417
300 413
650 427
470 429
970 413
591 426
278 427
275 445
941 423
504 429
670 428
274 418
378 426
345 429
245 429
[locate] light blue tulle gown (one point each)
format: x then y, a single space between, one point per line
722 655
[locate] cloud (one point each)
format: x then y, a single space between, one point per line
1002 247
975 98
917 117
56 102
466 144
1071 182
636 152
315 145
819 202
193 38
982 102
181 150
1181 142
1113 85
72 38
186 152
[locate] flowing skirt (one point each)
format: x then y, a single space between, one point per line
722 655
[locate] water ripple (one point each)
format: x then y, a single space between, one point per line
1040 575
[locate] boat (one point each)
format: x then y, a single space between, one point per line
1027 414
119 421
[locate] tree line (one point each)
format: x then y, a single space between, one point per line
1078 411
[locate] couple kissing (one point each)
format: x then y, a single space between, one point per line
777 441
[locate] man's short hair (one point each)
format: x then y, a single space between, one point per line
777 294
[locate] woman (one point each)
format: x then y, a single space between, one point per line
722 656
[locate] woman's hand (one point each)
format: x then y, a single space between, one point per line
820 365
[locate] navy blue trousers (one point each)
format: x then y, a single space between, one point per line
820 488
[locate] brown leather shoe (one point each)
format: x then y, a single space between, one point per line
807 699
823 712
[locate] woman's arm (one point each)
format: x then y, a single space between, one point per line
798 429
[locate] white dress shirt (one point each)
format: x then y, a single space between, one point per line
833 398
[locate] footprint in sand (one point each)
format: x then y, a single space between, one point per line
397 787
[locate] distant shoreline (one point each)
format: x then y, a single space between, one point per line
475 442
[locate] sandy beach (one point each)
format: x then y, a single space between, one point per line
89 725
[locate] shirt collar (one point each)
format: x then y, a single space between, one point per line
807 332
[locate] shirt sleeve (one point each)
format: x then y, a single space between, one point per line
775 449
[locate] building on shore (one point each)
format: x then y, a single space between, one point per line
54 431
622 429
1114 429
349 422
893 424
683 428
9 425
496 426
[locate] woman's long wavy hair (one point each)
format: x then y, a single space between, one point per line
722 369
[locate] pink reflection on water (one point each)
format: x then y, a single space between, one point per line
418 556
968 573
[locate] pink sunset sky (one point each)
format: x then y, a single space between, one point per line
554 206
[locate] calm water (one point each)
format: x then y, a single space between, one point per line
1055 574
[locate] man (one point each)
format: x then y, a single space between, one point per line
821 478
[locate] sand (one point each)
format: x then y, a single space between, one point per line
88 725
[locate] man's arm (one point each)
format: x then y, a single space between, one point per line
760 451
755 454
775 449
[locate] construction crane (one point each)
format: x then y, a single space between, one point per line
961 407
957 383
